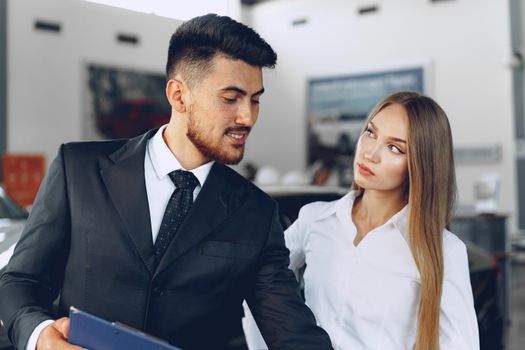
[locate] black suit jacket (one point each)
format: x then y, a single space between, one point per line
88 242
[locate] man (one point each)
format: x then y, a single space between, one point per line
120 231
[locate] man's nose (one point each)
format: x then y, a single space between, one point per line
247 114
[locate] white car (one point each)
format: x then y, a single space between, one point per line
12 220
339 133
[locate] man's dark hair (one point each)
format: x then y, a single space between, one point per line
196 42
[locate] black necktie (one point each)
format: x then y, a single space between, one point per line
178 206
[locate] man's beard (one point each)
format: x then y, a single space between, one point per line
214 152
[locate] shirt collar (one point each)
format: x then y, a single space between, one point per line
339 207
342 208
164 162
400 221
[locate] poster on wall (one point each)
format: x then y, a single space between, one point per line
123 103
337 108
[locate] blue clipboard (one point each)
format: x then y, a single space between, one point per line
94 333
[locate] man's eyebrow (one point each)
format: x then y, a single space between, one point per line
241 91
390 137
260 92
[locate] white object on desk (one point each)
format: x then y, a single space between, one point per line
486 193
5 256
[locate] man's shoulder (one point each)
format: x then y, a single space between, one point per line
116 149
125 146
93 147
238 181
84 154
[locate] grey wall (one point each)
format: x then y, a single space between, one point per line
47 71
3 78
517 13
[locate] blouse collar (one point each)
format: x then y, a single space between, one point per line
342 208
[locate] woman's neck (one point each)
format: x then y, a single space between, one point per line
372 209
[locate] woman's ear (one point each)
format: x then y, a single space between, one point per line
174 93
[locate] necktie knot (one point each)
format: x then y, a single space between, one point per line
184 179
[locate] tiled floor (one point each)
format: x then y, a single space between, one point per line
516 330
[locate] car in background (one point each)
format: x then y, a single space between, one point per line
338 133
12 220
484 270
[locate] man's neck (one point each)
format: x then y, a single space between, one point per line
179 145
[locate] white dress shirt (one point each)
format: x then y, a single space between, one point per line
158 163
366 297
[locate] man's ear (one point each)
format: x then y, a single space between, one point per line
175 92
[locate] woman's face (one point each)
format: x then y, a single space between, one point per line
380 160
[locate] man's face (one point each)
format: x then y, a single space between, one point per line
224 107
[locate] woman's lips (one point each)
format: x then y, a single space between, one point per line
364 170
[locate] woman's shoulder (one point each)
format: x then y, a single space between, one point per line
451 242
317 207
454 250
315 210
319 210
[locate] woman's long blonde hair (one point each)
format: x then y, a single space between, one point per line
431 194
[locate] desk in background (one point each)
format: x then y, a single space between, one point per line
490 233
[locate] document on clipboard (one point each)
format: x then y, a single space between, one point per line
94 333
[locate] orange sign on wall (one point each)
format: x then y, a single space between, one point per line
22 175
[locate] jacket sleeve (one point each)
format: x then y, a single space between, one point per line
281 314
294 242
34 274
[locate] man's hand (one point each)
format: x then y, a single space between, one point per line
54 336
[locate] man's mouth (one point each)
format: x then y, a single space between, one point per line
238 135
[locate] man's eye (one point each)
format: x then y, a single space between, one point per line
255 102
229 100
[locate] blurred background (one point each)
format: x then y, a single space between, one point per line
74 70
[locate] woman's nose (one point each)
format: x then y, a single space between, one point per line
373 153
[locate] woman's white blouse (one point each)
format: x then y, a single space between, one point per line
366 297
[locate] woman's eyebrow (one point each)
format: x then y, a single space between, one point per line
390 137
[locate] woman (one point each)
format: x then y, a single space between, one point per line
383 272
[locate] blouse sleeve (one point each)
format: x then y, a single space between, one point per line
294 239
252 334
458 322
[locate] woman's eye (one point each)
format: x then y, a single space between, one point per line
369 132
395 149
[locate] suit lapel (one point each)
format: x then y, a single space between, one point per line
217 200
123 175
